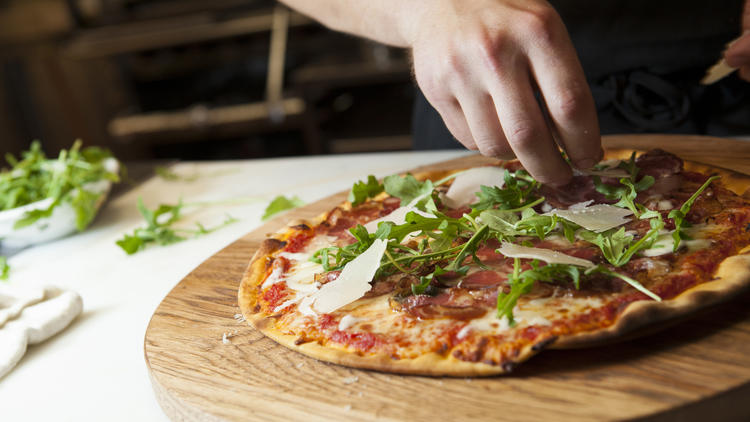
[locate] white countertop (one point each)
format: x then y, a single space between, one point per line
95 370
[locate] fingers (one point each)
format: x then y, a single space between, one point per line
453 117
738 53
744 73
484 125
525 129
480 72
566 94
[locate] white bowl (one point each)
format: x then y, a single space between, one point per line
61 223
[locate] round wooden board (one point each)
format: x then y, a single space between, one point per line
697 370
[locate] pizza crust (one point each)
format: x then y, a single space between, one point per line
639 318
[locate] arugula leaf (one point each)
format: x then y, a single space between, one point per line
536 224
281 203
442 238
4 268
408 189
468 248
170 175
418 223
85 204
32 216
424 282
628 188
617 246
502 223
613 243
159 228
630 166
363 190
678 215
516 193
521 282
626 192
633 282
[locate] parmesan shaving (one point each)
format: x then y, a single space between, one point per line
597 218
465 185
352 283
547 255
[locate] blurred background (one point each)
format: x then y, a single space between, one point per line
195 79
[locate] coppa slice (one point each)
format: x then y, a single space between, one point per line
445 300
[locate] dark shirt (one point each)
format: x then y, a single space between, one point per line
643 61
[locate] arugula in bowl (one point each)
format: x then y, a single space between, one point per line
45 198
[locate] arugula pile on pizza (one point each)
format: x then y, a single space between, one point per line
474 271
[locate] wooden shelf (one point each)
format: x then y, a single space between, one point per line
149 124
167 33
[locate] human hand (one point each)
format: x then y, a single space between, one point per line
479 64
738 53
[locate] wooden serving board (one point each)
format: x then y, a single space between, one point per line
697 370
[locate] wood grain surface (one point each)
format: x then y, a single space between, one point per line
698 370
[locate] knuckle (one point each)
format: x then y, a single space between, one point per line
489 48
567 103
542 22
452 61
522 136
494 147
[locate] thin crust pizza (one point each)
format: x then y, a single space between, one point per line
472 272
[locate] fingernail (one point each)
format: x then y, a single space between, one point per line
585 164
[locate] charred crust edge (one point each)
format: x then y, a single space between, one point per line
538 347
270 245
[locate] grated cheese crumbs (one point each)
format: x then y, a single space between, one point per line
350 380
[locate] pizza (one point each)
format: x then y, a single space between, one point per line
473 271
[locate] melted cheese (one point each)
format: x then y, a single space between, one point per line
547 255
466 184
664 243
347 322
597 218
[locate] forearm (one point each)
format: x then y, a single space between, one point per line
386 21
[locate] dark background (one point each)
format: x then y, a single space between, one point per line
189 79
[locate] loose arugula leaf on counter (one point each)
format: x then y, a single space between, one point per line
363 190
159 228
4 268
281 203
679 215
168 174
65 179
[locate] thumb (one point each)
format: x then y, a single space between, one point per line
737 53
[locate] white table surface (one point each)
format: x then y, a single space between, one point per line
95 370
